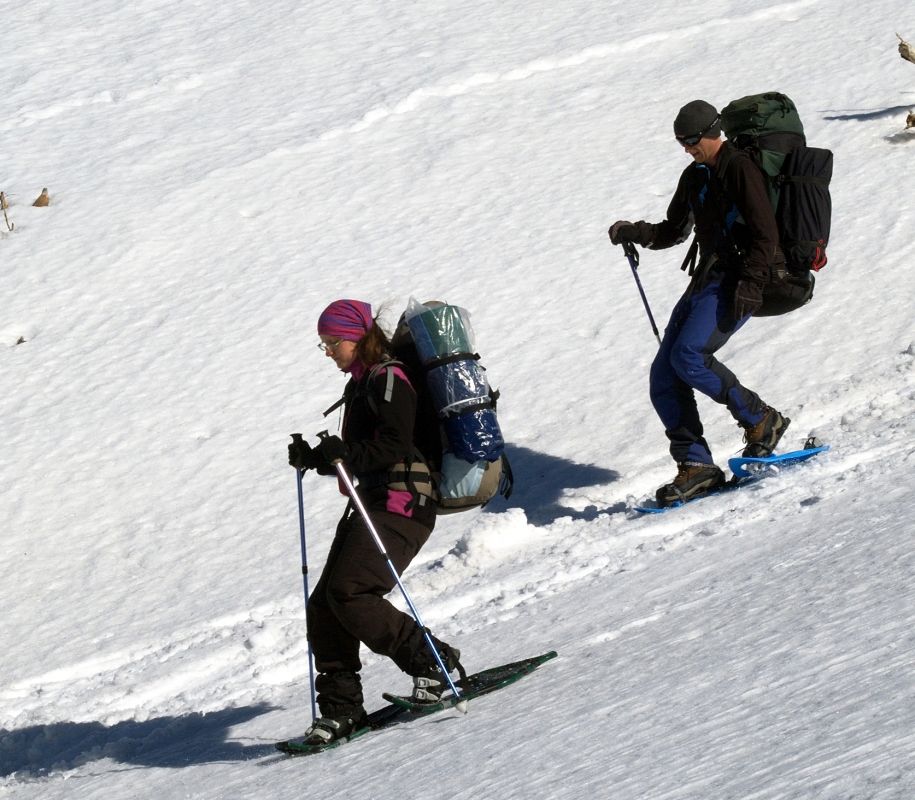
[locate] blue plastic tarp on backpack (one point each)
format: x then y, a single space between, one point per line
459 388
440 332
474 435
457 385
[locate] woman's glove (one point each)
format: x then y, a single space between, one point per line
332 449
302 456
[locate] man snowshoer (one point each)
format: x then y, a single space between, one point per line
722 195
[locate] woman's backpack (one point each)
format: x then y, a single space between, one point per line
456 428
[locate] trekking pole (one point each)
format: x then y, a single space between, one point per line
297 437
633 255
461 705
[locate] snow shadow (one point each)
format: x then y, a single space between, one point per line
160 742
540 481
902 137
864 116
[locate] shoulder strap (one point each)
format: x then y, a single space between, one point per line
725 157
411 475
389 381
389 386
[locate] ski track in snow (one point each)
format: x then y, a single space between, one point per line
421 97
482 80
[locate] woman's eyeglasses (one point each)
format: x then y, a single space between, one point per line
329 347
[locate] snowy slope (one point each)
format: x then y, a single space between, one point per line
218 173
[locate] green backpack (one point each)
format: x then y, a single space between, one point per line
766 124
769 128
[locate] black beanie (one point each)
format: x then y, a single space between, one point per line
695 117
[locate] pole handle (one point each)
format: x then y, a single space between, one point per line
297 439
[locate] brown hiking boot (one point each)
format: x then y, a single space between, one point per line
693 480
762 437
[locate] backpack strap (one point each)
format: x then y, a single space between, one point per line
689 262
389 384
725 156
507 481
450 359
812 180
335 406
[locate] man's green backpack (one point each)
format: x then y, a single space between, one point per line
770 129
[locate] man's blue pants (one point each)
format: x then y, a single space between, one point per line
701 323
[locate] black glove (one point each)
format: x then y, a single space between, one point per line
641 233
748 297
332 449
301 454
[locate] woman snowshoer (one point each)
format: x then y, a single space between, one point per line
348 605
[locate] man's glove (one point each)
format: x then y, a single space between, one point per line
332 449
302 456
748 297
641 233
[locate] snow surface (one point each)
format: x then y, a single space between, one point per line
218 172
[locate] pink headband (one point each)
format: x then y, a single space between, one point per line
346 319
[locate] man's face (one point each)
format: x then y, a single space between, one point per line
703 151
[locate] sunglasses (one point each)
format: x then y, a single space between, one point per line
693 139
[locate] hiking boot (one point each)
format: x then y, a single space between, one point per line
328 729
693 480
429 684
762 437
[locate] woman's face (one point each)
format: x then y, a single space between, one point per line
342 351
